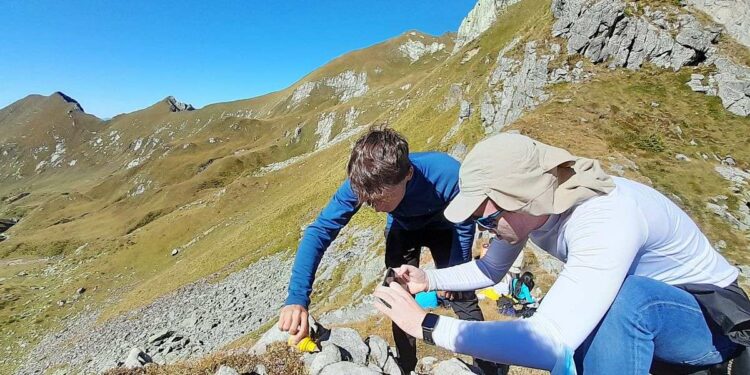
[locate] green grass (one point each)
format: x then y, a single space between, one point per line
127 262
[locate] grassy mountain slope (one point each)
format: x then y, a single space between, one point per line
161 180
101 230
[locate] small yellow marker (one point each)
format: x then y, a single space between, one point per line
305 345
490 293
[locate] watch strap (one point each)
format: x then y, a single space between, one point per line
428 325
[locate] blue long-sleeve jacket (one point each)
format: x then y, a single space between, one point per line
433 185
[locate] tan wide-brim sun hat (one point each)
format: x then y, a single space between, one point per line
521 174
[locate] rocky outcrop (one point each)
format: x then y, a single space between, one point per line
733 14
736 211
301 93
610 31
414 49
731 83
601 31
177 106
68 99
6 224
325 126
346 86
479 19
515 87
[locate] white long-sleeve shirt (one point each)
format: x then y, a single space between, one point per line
633 230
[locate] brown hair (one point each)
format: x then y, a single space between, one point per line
379 159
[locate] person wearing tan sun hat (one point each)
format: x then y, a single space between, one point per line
520 174
632 293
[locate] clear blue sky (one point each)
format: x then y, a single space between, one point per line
120 56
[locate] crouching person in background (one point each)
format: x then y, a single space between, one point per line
642 288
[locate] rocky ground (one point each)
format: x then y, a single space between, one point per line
199 318
338 351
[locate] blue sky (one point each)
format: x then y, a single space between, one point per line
120 56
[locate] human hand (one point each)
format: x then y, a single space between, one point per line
446 295
404 310
293 319
414 278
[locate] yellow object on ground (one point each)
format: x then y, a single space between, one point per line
490 293
305 345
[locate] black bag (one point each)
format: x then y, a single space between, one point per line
728 307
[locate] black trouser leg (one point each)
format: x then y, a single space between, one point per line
399 250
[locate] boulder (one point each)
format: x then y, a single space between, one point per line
260 370
391 367
378 350
426 365
273 335
160 336
330 354
351 344
349 368
136 358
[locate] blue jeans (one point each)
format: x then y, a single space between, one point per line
651 321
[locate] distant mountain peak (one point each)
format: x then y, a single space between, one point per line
67 99
176 105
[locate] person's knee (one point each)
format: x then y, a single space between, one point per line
635 293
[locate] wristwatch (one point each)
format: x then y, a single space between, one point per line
428 325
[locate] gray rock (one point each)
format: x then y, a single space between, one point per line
681 157
260 369
458 151
733 86
349 368
226 370
136 358
273 335
391 367
734 15
415 49
600 30
522 85
723 212
330 354
693 35
348 85
455 93
160 336
720 245
464 110
378 350
353 348
479 19
426 365
453 366
177 106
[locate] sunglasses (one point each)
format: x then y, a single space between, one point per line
489 222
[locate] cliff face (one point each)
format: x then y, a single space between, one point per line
479 19
733 14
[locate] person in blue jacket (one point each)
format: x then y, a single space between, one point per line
413 189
